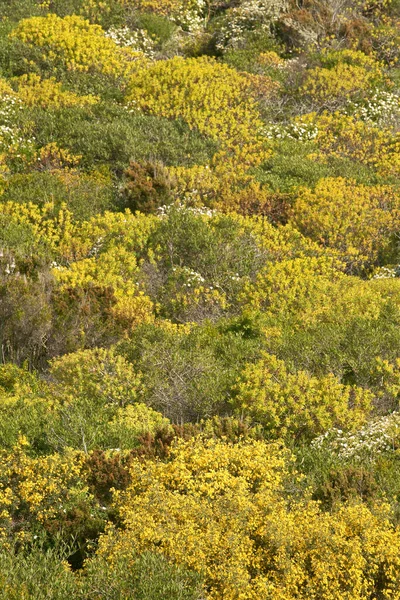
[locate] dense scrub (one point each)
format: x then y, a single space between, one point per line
199 299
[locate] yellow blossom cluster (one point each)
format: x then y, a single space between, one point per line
37 489
48 93
209 96
75 44
222 104
47 226
220 509
113 273
343 136
344 74
356 220
297 404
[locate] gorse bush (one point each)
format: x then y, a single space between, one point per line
358 228
343 76
74 44
296 404
48 93
221 509
211 97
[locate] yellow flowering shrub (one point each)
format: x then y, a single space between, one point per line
298 405
72 241
75 44
308 291
112 273
48 93
110 230
343 136
95 271
385 39
134 422
39 491
298 286
101 280
97 402
48 226
100 375
209 96
356 220
163 7
344 75
51 157
332 85
23 405
220 103
6 89
225 185
282 242
214 480
220 509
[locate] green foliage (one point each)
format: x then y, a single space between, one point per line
110 135
347 343
83 194
44 574
188 373
293 164
200 263
146 577
38 575
157 26
247 56
92 389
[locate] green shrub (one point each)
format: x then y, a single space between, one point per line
188 375
38 574
293 165
146 577
83 194
109 134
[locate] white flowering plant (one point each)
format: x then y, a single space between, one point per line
248 16
12 141
387 272
379 436
303 132
137 39
163 211
382 109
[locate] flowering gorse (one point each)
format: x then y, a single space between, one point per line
220 510
74 44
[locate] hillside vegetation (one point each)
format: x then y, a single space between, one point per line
200 300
